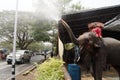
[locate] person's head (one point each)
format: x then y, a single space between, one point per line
95 24
91 26
99 24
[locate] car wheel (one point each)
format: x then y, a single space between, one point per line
8 62
22 61
29 60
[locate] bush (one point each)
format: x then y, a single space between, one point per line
50 70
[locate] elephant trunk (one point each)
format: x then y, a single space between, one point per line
72 36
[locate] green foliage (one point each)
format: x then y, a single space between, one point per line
39 35
29 28
23 28
76 7
50 70
69 7
66 1
36 46
40 29
4 44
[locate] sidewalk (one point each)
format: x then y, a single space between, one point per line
107 75
30 76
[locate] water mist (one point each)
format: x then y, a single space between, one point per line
48 10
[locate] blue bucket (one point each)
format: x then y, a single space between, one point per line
74 71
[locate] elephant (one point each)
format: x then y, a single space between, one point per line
108 51
69 56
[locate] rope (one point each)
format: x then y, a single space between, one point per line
77 54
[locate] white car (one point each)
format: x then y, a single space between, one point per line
21 56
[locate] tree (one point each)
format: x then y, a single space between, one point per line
73 7
40 30
36 46
51 11
76 7
26 24
65 5
6 45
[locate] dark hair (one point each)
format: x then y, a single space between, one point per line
95 24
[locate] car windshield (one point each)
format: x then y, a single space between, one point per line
20 52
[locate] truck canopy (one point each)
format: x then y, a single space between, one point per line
78 22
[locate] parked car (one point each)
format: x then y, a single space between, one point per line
3 54
22 56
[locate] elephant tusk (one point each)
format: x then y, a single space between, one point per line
78 59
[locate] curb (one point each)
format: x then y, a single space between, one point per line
27 70
66 74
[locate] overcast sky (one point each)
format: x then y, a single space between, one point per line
27 5
99 3
24 5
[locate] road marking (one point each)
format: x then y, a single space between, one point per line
2 63
3 67
21 71
27 68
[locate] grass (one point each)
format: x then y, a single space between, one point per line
51 69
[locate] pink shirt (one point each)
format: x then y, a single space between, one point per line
98 31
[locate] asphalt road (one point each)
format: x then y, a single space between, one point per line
5 69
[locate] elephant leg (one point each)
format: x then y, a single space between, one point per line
117 68
97 70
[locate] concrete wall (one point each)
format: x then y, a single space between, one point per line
60 48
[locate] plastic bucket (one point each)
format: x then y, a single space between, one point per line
74 71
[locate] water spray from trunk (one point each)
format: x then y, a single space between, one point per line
48 9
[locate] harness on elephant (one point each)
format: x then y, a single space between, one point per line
77 54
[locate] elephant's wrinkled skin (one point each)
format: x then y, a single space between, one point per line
107 53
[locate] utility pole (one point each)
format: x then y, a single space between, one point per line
14 43
53 52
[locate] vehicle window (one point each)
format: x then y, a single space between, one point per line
19 52
26 52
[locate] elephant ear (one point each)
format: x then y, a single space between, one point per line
83 39
91 37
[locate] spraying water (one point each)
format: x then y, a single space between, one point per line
48 9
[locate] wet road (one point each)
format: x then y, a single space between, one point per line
5 69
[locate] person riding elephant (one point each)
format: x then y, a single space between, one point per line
108 53
96 27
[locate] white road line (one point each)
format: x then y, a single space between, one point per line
3 67
21 71
2 63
